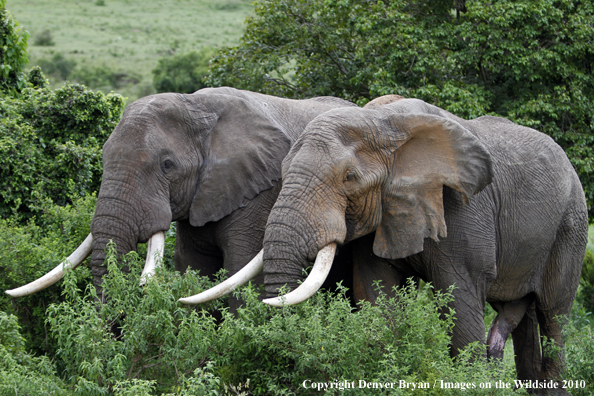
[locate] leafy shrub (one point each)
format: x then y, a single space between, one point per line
586 290
50 145
102 76
579 349
28 251
44 39
158 339
262 350
13 52
37 78
58 66
142 341
21 373
182 73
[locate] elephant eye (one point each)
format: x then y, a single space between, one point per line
350 176
167 165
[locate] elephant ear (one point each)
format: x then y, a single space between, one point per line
242 157
430 152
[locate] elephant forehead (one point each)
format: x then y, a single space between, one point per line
155 104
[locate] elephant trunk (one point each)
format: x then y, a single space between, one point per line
106 229
312 284
119 218
284 257
299 226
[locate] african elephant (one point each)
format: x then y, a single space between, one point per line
211 161
494 208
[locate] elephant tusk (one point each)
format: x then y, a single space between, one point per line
312 284
73 261
154 256
245 274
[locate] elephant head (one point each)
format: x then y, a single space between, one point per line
185 157
358 171
177 157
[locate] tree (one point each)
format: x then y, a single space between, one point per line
50 141
13 52
182 73
50 145
529 61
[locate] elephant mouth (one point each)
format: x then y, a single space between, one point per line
308 288
154 256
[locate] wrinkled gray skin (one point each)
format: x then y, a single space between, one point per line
210 161
489 206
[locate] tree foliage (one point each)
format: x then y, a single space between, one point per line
30 250
13 52
20 372
164 348
50 145
529 61
50 141
182 73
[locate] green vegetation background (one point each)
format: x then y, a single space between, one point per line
115 44
142 342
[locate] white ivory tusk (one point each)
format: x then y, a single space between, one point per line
73 261
245 274
314 280
154 256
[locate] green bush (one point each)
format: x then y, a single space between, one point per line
182 73
13 52
142 341
37 78
586 290
161 346
58 66
579 350
159 339
28 251
50 145
20 372
103 76
45 39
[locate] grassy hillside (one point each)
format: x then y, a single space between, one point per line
115 44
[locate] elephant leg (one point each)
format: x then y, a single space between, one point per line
527 346
469 325
369 268
342 272
555 299
509 316
552 346
469 295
